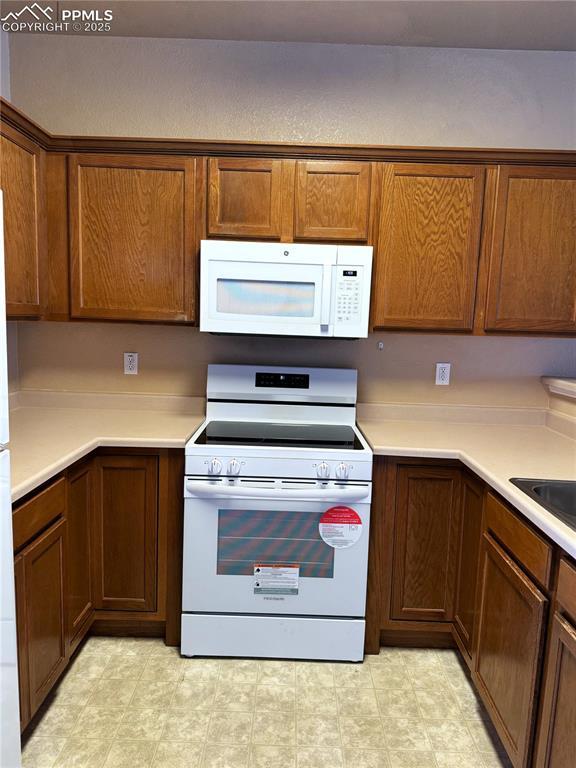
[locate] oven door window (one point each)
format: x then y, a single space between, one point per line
246 537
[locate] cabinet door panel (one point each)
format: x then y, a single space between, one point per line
532 281
44 580
79 517
131 237
557 746
469 557
507 662
22 638
332 200
425 537
429 246
244 198
126 533
22 180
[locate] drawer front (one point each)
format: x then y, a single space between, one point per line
33 516
566 594
533 552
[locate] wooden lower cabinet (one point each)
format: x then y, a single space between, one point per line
126 533
507 666
80 607
465 610
425 539
41 584
557 745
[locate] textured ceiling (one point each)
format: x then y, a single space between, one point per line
512 24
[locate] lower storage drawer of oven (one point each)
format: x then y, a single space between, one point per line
281 637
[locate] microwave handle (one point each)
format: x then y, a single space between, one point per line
326 295
201 490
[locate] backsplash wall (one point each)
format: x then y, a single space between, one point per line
88 357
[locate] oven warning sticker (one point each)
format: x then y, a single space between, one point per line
274 579
340 527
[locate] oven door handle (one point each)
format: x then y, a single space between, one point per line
201 490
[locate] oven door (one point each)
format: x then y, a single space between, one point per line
257 293
275 547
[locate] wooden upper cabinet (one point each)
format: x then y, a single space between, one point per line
22 166
332 200
126 533
132 237
429 247
425 542
532 280
507 665
244 198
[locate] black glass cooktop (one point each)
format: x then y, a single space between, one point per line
290 435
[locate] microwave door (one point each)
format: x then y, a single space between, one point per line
267 298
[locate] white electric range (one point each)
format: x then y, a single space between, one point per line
276 517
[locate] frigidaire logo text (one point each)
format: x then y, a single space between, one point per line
34 17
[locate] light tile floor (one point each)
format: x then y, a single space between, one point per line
135 703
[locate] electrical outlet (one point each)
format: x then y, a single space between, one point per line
443 374
131 363
380 345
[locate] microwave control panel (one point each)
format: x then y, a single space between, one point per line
348 295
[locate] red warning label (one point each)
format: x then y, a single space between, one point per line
340 527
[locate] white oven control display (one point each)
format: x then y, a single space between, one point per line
274 579
340 527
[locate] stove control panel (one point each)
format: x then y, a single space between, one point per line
342 471
228 465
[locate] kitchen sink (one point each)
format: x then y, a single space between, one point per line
556 496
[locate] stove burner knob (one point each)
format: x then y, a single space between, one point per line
323 470
233 467
214 467
342 471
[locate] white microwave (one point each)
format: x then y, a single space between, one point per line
285 289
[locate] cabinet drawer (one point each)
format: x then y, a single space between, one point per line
34 515
533 552
566 594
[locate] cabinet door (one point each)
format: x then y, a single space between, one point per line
79 549
557 746
468 560
132 237
22 638
429 246
244 198
126 533
332 200
22 181
44 590
532 280
425 539
507 662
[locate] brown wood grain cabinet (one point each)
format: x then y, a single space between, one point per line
510 635
425 543
244 197
557 744
22 641
132 242
470 536
532 277
429 246
44 611
332 200
125 533
22 179
79 512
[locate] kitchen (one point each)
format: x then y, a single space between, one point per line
320 173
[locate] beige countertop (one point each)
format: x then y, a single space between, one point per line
45 439
50 431
492 451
